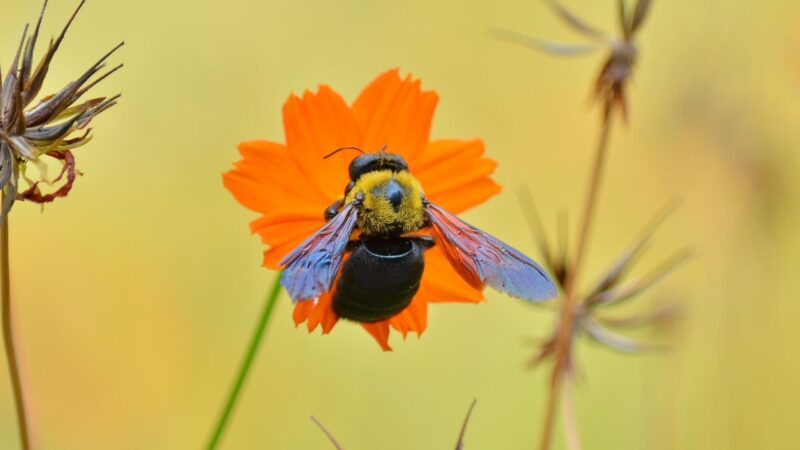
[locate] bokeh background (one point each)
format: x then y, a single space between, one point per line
136 296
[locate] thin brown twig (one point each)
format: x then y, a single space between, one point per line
566 328
8 340
549 418
460 441
570 422
327 433
591 202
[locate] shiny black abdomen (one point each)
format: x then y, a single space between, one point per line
380 278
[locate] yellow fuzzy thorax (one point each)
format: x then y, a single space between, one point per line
377 215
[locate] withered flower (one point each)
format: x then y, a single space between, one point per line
610 290
582 312
30 131
611 83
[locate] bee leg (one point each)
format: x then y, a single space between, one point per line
348 188
331 211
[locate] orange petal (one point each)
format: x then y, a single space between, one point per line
315 126
266 179
272 226
468 195
283 232
301 312
396 113
323 314
273 162
454 174
281 245
441 283
445 151
379 331
413 318
316 313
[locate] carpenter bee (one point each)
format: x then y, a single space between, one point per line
381 269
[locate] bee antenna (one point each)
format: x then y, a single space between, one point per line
349 147
383 148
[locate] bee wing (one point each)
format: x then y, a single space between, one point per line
310 269
484 260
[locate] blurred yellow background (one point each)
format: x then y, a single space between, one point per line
136 295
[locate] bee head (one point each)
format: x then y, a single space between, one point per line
391 204
370 162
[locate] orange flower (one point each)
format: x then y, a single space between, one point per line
291 184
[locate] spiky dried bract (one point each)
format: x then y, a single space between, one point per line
459 441
609 290
611 84
30 131
327 432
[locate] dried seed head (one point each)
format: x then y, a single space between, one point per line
29 132
612 81
611 289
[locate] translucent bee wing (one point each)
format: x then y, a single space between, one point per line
484 260
310 269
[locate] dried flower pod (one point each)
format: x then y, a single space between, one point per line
30 132
611 289
612 81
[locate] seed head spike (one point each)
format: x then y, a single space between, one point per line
460 442
639 15
555 48
576 23
327 433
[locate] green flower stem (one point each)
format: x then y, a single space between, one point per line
8 340
247 362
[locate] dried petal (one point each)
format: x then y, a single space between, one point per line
8 172
36 81
27 60
35 195
616 341
622 293
546 351
22 147
556 48
639 14
537 229
625 261
622 16
664 314
576 23
28 134
50 109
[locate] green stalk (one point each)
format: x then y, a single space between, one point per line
247 362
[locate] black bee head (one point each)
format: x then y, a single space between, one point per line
371 162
